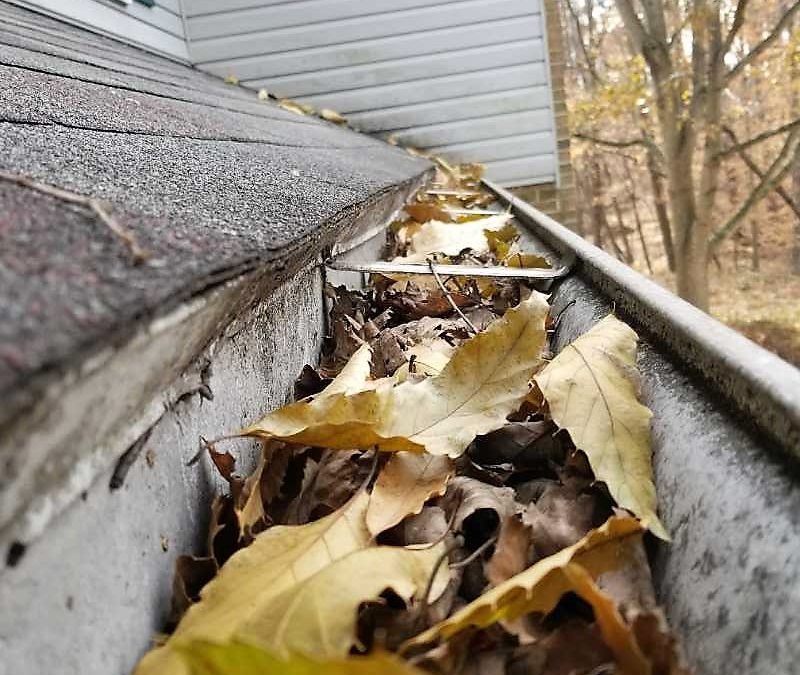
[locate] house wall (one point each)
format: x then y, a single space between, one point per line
468 80
159 28
556 198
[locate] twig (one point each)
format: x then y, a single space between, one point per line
466 561
450 298
139 254
457 542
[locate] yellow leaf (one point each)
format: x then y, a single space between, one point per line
292 106
263 95
423 212
539 588
278 559
231 79
590 392
332 116
452 238
520 259
404 485
617 635
485 380
239 658
500 241
318 617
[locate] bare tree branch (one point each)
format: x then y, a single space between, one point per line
736 26
779 189
582 43
776 173
633 24
760 138
644 141
784 22
608 142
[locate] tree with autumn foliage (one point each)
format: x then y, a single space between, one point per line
670 84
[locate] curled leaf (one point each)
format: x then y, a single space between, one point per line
404 485
539 588
485 380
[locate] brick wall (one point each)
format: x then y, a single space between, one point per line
558 202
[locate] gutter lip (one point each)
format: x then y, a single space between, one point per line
759 384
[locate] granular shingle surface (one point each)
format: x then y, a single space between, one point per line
210 180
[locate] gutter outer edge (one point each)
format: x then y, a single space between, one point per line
756 382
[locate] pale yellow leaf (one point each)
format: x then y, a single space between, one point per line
486 379
263 95
539 588
239 658
590 390
404 485
452 238
278 560
318 617
332 116
430 358
292 106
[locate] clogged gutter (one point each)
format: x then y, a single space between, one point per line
444 496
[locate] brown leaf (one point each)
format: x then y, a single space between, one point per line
423 212
574 647
404 485
425 527
329 484
479 508
512 552
659 644
191 574
559 519
631 584
524 444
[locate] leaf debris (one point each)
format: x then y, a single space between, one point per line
438 489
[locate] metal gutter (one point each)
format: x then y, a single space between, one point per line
764 387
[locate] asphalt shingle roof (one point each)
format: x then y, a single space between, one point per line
210 180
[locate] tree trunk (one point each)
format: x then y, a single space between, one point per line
598 211
691 273
796 193
662 214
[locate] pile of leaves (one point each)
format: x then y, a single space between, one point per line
443 496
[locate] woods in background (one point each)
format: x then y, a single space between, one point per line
686 112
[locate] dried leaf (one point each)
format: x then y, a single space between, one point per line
512 553
616 633
292 106
539 588
318 616
263 95
278 559
425 211
332 116
484 381
452 238
404 485
559 518
239 658
479 508
590 393
334 481
231 79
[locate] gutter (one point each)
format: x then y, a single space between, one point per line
762 386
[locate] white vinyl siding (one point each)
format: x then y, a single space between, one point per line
159 28
468 78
